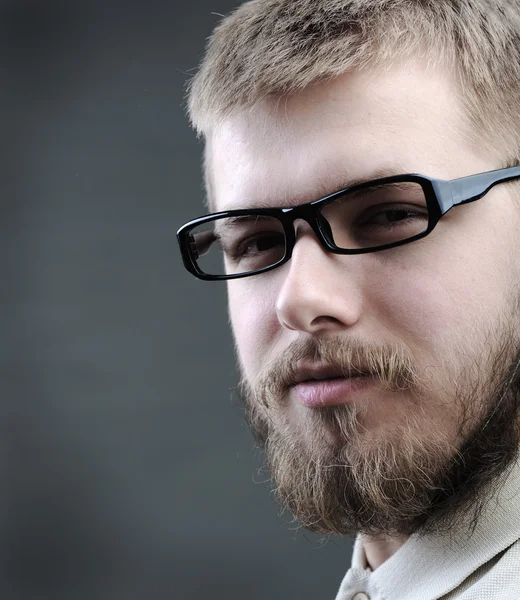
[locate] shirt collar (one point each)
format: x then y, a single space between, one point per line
431 566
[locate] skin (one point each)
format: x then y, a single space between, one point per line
437 296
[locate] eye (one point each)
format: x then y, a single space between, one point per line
262 242
392 215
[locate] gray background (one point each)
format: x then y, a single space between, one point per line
126 469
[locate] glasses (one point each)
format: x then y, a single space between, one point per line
368 217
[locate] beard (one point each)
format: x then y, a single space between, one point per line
335 476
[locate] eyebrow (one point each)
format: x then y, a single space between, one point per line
373 176
325 190
230 223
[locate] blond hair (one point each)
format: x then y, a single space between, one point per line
279 47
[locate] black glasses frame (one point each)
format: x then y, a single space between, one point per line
441 195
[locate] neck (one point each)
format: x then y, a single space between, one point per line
377 550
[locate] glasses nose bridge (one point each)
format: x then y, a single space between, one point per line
309 214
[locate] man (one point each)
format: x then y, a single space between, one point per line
362 174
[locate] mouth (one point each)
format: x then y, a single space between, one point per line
316 372
320 386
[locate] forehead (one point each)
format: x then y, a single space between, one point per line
288 151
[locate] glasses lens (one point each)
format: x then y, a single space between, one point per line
236 245
376 216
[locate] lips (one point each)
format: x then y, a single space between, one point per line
316 386
316 372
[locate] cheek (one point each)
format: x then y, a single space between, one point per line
253 322
442 310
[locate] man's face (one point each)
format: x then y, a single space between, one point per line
434 322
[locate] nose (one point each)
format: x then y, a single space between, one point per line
320 291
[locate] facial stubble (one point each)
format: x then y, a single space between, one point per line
335 478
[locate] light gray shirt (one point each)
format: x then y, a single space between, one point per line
483 565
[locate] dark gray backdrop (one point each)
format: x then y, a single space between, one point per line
126 469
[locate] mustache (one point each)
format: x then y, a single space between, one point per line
391 364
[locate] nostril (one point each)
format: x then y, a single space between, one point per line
323 321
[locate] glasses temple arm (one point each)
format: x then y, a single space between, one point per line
473 187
